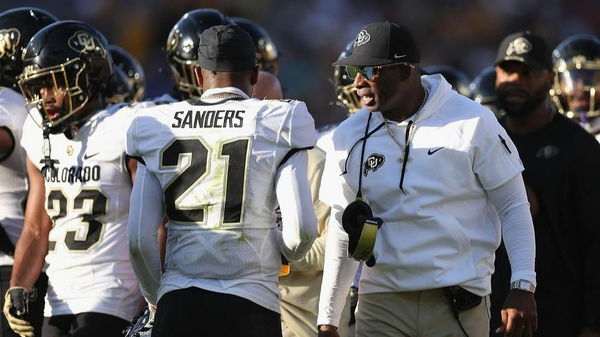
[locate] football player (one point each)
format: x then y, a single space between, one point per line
300 285
483 90
134 73
80 183
182 48
216 166
17 26
577 80
267 57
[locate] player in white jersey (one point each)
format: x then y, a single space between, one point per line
216 166
80 186
17 26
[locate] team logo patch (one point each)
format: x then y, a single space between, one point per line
547 152
9 39
83 42
362 38
373 162
69 150
518 46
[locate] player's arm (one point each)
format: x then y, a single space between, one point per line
298 217
519 312
131 167
32 246
339 270
314 259
30 251
145 217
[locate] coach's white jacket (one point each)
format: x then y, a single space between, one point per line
443 230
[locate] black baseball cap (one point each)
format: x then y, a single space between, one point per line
382 43
226 49
525 47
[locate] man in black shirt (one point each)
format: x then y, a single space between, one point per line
562 175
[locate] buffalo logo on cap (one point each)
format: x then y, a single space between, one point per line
362 38
518 46
9 39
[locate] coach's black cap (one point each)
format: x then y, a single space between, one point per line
525 47
382 43
226 48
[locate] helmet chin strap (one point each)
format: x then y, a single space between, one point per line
49 170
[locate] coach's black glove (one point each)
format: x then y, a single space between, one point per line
16 306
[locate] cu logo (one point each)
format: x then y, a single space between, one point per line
85 42
9 39
519 46
362 38
373 162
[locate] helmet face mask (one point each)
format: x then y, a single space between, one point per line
67 66
345 92
577 77
56 91
185 78
579 90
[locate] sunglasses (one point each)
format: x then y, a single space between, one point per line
369 72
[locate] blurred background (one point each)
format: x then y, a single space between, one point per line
310 34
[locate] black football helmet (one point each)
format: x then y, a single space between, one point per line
66 65
345 92
483 90
17 26
266 52
182 47
132 70
577 77
120 89
457 79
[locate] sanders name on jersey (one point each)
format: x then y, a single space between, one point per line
209 119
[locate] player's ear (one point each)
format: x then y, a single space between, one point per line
199 78
254 76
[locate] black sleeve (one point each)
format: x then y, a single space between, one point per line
587 191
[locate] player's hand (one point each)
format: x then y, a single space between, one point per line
519 314
328 331
16 305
